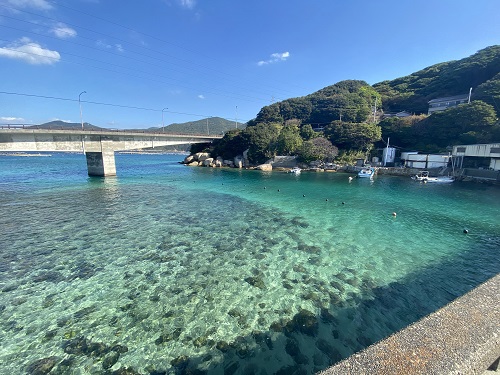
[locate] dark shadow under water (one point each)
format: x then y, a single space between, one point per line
313 342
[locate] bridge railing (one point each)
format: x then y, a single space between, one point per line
138 131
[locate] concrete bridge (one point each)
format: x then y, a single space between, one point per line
98 146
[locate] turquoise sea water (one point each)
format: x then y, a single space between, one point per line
167 269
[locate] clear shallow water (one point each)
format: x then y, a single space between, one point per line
170 269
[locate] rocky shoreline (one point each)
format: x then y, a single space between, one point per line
286 163
204 159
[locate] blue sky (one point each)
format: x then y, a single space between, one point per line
144 62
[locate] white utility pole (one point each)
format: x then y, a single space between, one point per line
80 104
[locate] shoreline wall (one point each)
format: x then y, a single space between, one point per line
462 337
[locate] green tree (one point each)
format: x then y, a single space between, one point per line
289 140
262 139
355 136
232 144
489 92
317 149
307 132
400 129
471 123
270 113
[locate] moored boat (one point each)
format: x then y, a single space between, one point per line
424 177
366 172
295 170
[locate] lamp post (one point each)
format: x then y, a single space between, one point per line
162 123
80 104
208 132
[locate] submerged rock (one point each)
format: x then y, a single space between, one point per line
337 286
180 362
308 248
51 276
42 366
304 322
256 281
168 336
125 371
223 346
84 312
109 360
49 335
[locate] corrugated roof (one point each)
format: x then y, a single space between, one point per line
450 98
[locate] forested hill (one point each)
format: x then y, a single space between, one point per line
339 122
216 125
412 93
58 124
353 100
348 100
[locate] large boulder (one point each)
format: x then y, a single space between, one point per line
229 163
208 162
188 159
202 156
238 162
193 164
265 167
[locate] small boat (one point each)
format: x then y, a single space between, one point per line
295 170
425 178
366 172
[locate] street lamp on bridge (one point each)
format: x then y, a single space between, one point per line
162 123
80 104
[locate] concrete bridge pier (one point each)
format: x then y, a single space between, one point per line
101 164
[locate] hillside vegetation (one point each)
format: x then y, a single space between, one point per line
412 93
345 120
211 125
57 124
216 126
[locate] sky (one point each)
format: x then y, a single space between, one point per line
141 64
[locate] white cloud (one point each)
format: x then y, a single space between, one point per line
38 4
105 45
189 4
62 31
275 57
30 52
201 96
12 119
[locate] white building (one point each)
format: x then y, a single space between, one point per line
440 104
425 161
490 151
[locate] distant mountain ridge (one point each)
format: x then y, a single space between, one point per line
58 124
216 126
210 125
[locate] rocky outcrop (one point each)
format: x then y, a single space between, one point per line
265 167
238 162
202 156
208 162
204 159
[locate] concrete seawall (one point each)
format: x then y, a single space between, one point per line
461 338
